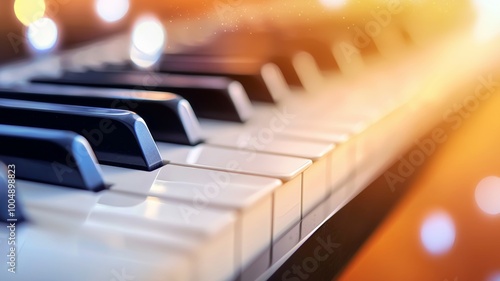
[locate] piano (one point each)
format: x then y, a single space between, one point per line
222 140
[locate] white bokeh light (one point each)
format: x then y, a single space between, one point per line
488 19
438 233
148 41
333 4
487 195
42 34
112 10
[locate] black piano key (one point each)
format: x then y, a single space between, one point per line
286 66
266 47
168 116
11 208
319 49
247 72
211 97
50 156
118 137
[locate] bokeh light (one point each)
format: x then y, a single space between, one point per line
494 277
488 19
42 34
487 195
438 233
29 11
148 41
333 4
112 10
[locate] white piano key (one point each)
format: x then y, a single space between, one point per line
315 134
275 82
199 189
308 71
348 57
285 168
64 256
211 233
316 178
288 200
334 130
298 119
256 140
240 100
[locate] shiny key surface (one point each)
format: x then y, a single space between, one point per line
168 116
117 136
50 156
45 250
291 170
250 73
261 164
251 197
210 97
139 222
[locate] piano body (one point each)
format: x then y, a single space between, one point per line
219 143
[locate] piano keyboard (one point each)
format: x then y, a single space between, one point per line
118 179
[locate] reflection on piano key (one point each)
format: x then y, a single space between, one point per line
118 137
101 258
199 189
140 219
50 156
316 182
290 170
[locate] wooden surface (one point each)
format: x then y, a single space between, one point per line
447 187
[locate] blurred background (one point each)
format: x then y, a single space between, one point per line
193 22
378 28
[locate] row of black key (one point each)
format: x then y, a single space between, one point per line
131 144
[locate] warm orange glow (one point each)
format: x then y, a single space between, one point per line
333 3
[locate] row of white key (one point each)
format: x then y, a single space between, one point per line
207 223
